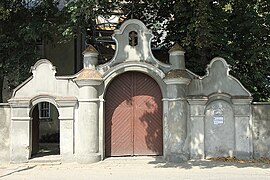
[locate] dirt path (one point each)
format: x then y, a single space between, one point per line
138 168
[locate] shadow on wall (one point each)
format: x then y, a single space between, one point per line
118 116
151 120
148 124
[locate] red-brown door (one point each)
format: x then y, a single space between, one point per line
35 130
133 124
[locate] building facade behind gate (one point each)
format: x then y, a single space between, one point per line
134 105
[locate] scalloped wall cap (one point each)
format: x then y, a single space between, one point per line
90 49
89 74
176 47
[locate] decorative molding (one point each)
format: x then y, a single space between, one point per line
19 102
174 81
197 100
133 66
180 53
43 61
66 101
219 96
260 103
228 68
145 35
20 86
4 105
174 99
89 100
43 98
242 101
21 118
61 118
88 82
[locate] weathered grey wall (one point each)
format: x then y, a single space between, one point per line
219 137
261 129
4 132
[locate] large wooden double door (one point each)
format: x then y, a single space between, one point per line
133 124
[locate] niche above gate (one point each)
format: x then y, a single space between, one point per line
133 44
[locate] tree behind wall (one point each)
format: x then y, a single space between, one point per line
23 24
236 30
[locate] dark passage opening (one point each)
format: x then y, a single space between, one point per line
45 130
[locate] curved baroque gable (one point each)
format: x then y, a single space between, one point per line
44 82
217 80
133 44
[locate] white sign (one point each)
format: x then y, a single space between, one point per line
218 120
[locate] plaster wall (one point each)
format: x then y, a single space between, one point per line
4 133
219 135
261 129
43 81
177 149
217 80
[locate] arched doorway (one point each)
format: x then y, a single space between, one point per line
133 123
45 130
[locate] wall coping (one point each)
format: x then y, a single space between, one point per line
4 105
260 103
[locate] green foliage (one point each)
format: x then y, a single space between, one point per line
233 29
81 14
22 26
236 30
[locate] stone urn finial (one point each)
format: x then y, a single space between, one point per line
90 57
178 73
177 57
176 48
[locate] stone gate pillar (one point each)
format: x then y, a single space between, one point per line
66 107
20 140
197 114
177 80
87 127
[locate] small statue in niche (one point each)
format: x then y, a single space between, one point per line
218 110
133 38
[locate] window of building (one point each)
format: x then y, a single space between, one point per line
44 110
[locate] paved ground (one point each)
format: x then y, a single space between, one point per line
143 168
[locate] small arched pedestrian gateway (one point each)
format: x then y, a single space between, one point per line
45 130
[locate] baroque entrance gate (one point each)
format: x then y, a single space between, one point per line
133 116
135 122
